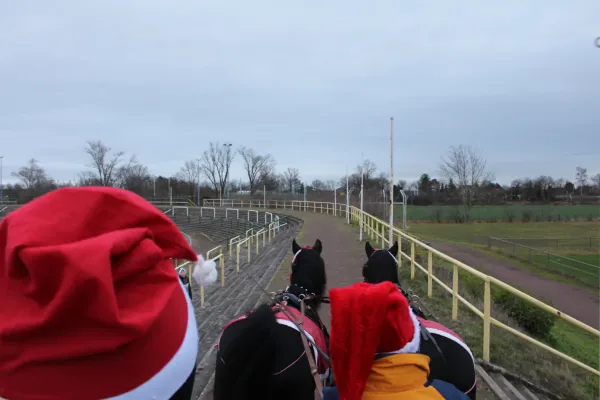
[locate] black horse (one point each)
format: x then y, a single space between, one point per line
451 359
261 354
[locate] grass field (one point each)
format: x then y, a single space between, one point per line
568 251
474 232
538 213
513 353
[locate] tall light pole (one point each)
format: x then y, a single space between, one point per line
1 184
362 195
198 185
304 196
334 201
170 193
347 199
228 145
391 230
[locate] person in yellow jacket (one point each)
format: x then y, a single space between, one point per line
374 347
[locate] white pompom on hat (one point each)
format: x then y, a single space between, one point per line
205 271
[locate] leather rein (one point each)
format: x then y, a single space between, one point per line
281 299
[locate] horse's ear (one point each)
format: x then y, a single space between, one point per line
318 246
394 249
369 249
295 247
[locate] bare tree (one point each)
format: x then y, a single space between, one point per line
368 167
330 184
257 167
190 172
87 178
103 162
33 176
467 169
216 163
271 181
282 183
317 185
543 183
596 181
133 176
292 178
581 178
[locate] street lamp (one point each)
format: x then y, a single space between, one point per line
362 181
391 230
198 185
228 145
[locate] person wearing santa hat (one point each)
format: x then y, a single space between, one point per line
374 347
91 306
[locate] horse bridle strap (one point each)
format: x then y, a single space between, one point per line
313 367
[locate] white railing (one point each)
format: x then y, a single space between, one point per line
187 210
237 212
256 214
209 209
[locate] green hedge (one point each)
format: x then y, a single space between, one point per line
532 319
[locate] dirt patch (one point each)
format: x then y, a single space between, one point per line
579 303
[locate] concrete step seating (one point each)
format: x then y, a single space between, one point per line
506 385
241 291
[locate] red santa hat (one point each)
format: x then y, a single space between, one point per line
91 306
368 319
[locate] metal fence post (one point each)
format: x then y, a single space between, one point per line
400 257
430 274
454 292
412 260
237 258
222 265
487 310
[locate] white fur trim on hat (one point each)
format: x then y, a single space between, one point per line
168 380
205 272
414 345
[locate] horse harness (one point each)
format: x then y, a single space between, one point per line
285 299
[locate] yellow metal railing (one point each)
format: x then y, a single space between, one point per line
255 238
219 259
378 231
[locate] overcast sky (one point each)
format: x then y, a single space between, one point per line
311 82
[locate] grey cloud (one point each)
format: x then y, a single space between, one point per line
312 83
